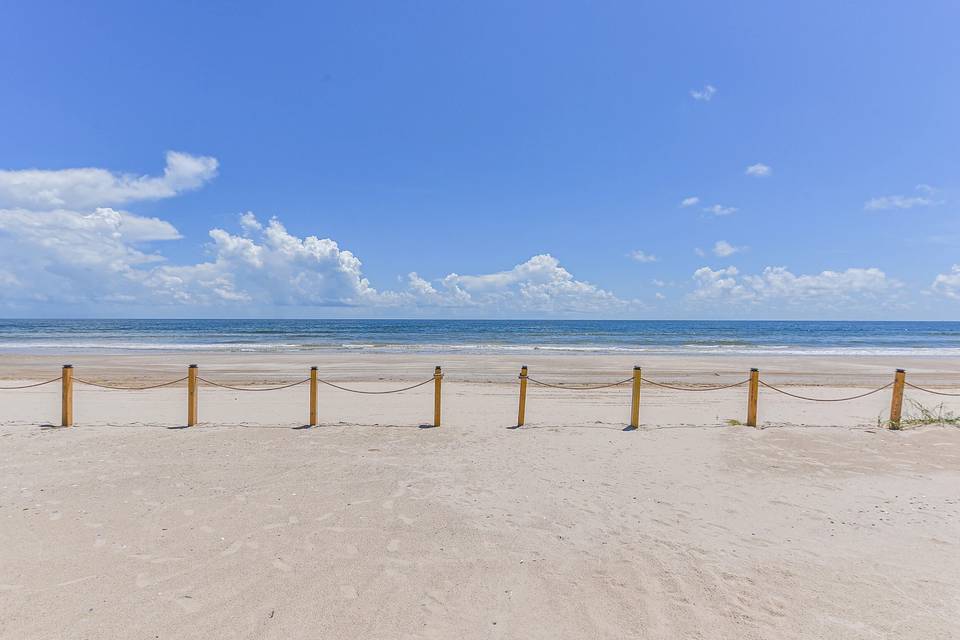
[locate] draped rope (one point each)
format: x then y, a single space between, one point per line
226 386
414 386
588 388
799 397
667 386
29 386
118 388
936 393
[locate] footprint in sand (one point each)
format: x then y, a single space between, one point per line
349 592
188 604
281 565
387 504
75 581
434 603
393 545
232 549
56 515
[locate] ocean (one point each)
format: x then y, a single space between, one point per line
487 336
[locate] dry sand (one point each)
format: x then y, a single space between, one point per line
819 525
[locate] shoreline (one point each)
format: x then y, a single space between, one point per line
486 349
490 337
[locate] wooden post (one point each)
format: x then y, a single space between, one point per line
896 403
66 396
635 402
437 378
522 414
752 398
192 395
313 396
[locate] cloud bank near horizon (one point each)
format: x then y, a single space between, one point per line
65 240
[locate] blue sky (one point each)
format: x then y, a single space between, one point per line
517 157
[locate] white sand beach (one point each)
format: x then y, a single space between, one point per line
819 524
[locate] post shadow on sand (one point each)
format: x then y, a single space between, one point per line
379 426
569 426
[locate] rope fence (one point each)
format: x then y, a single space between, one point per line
119 388
799 397
377 393
30 386
580 388
667 386
226 386
936 393
753 394
193 380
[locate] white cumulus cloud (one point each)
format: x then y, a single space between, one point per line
948 284
90 187
759 170
924 198
540 284
723 249
642 256
70 257
689 202
720 210
780 285
62 243
269 265
704 95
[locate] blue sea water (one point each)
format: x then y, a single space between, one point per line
490 336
